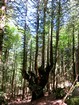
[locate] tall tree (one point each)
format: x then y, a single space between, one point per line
51 36
37 29
57 38
37 83
13 75
38 76
2 19
77 59
73 51
30 66
43 37
24 60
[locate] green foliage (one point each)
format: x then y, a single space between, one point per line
11 36
73 101
2 98
1 92
77 84
3 101
76 90
12 40
0 12
59 93
64 38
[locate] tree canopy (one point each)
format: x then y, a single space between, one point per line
39 45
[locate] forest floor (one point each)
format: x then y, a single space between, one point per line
46 100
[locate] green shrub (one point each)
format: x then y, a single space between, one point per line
2 99
59 93
73 101
75 92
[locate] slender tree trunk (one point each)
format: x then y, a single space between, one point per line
77 59
23 94
13 75
2 20
73 50
24 60
30 68
58 68
78 55
50 50
44 22
57 40
62 61
1 41
51 37
3 78
4 70
48 62
25 64
2 3
6 66
36 54
12 84
24 52
1 63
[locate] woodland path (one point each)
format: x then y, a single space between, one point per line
46 100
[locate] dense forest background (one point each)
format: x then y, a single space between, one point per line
39 46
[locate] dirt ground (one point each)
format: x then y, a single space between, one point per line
46 100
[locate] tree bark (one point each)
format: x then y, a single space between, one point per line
2 3
48 62
51 37
30 67
77 59
13 74
57 40
23 92
37 82
1 41
36 54
37 94
73 50
78 55
43 37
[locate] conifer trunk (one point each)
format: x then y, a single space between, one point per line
57 40
43 37
36 53
73 49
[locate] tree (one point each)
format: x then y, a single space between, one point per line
37 83
51 39
37 29
2 4
2 24
47 45
77 59
44 21
24 58
57 39
73 49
